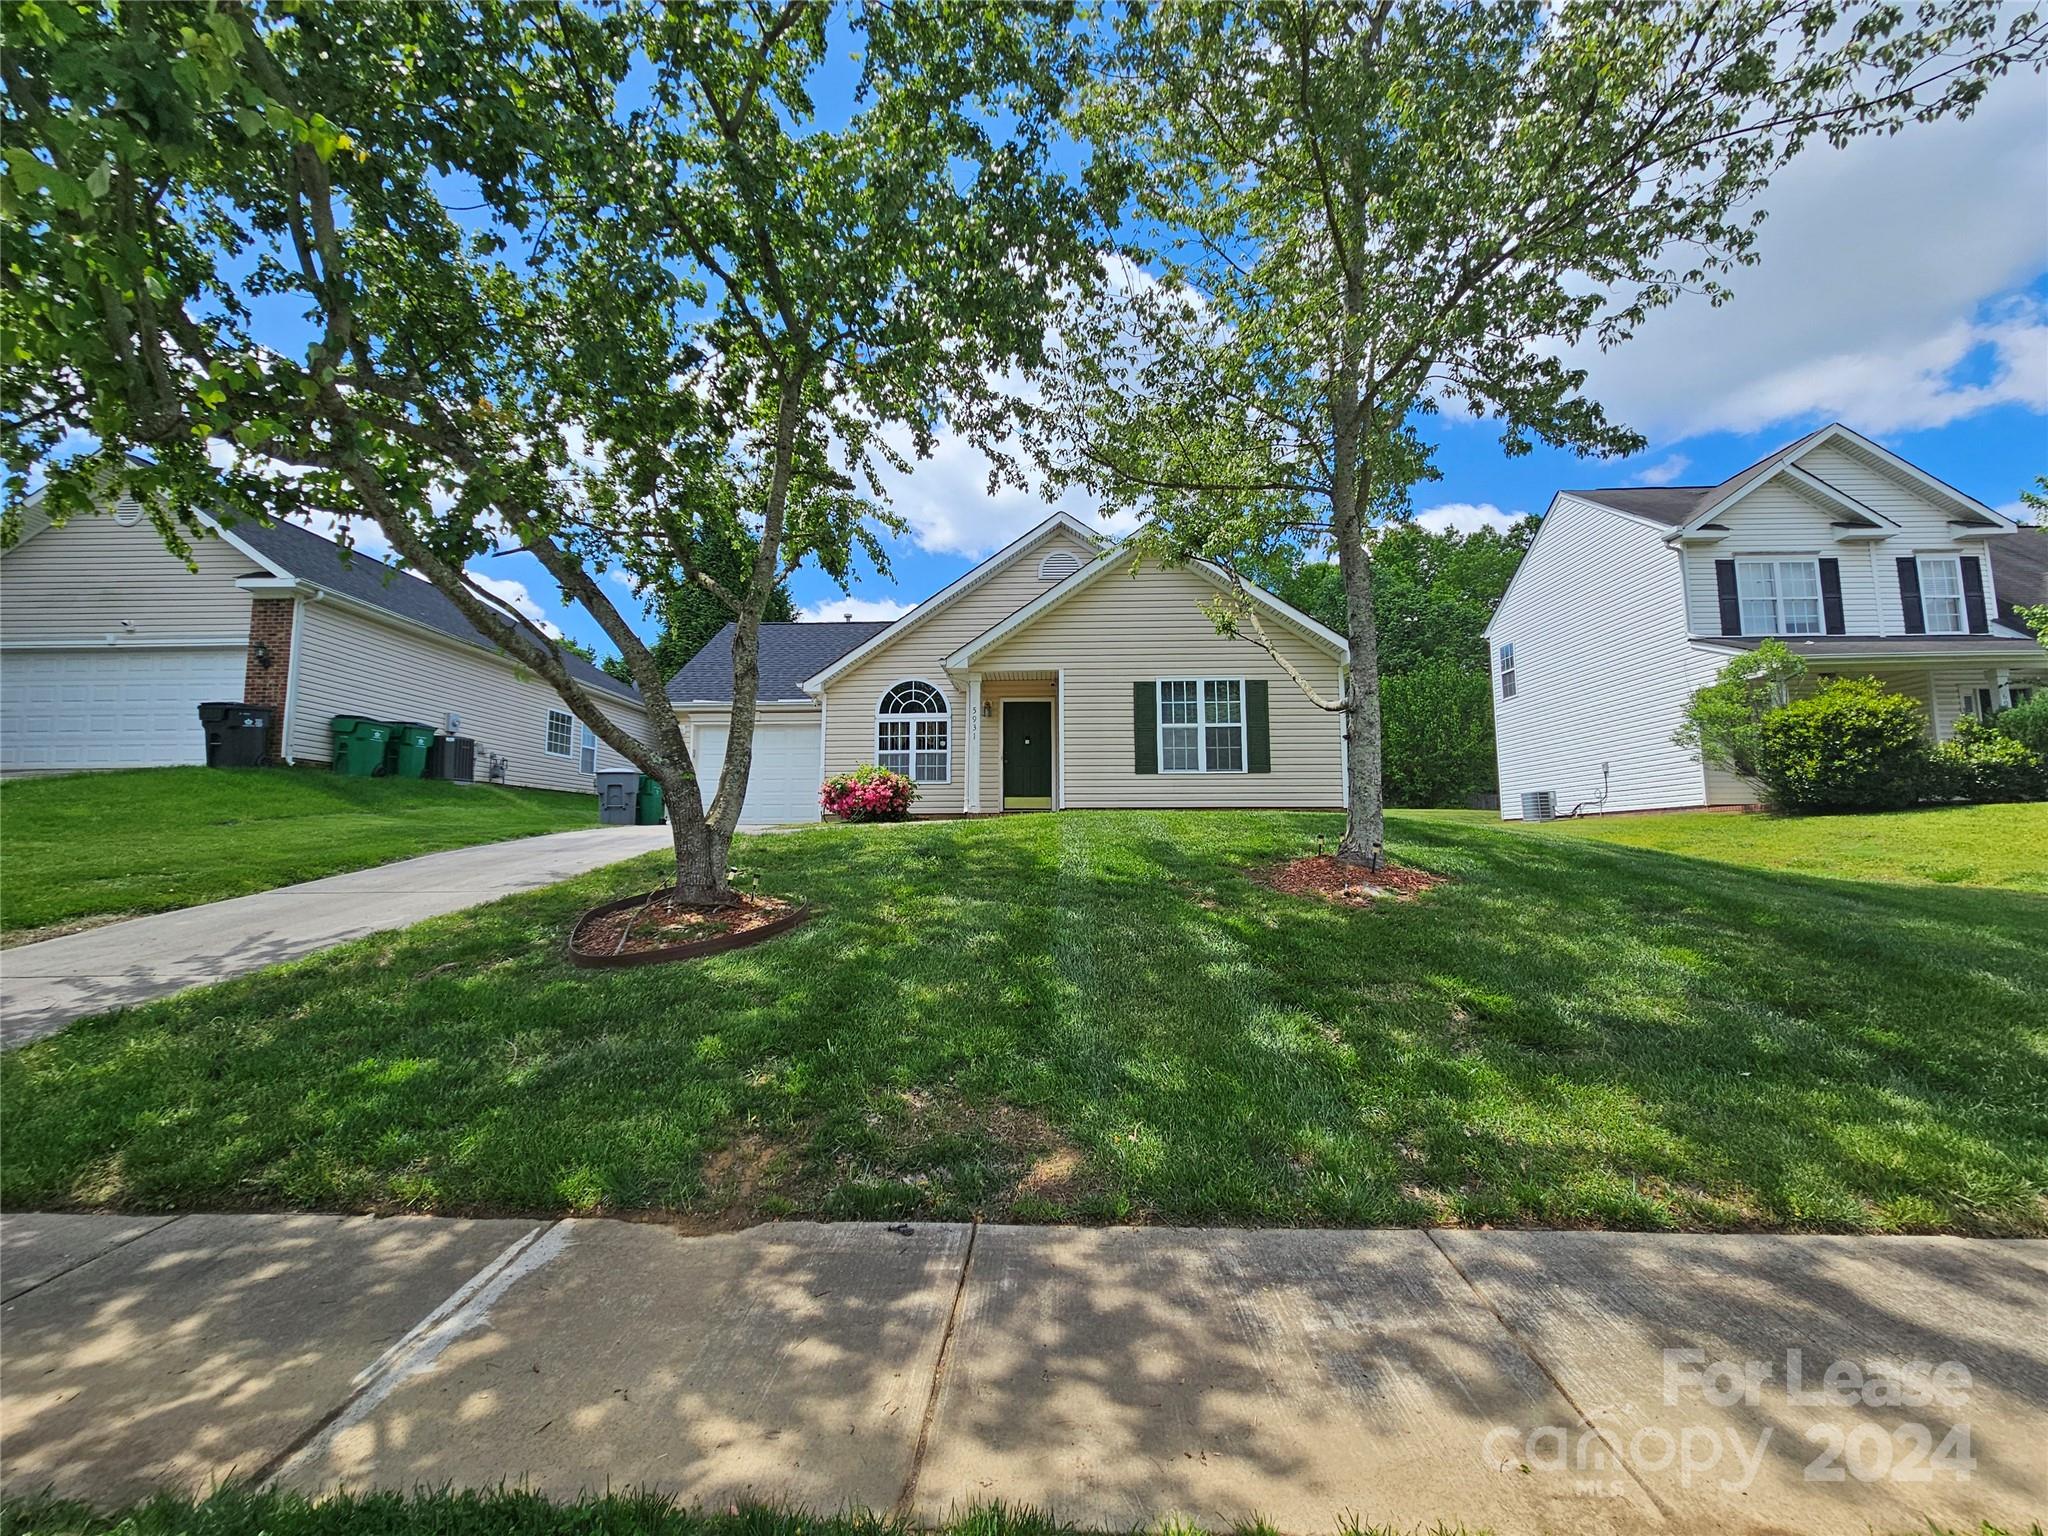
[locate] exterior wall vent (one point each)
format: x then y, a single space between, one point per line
127 511
1058 565
1539 805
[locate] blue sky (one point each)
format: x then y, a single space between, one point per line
1903 290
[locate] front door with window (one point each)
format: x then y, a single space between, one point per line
1027 754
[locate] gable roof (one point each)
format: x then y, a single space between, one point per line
1109 560
790 652
1683 507
299 554
953 591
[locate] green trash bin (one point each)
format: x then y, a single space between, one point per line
647 807
359 745
406 757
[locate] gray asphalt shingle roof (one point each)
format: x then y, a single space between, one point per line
789 654
307 556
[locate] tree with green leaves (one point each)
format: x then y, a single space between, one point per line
690 619
430 266
1723 723
1354 213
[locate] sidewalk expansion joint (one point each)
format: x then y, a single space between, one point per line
908 1498
1528 1350
72 1269
466 1308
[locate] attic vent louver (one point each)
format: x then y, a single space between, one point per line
1539 805
1058 565
127 511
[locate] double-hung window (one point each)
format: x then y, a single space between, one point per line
559 729
913 734
588 758
1941 594
1779 597
1201 725
1507 671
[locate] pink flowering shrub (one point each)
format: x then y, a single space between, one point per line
868 794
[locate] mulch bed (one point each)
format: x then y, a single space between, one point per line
659 927
1323 877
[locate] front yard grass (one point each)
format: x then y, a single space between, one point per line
1099 1016
101 845
2000 845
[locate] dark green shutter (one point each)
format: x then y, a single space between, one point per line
1258 727
1145 726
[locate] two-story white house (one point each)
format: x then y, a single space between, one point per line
1630 599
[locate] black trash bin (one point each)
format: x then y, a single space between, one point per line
237 735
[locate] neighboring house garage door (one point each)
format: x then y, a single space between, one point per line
783 785
112 708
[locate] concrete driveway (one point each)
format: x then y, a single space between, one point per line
1576 1382
45 986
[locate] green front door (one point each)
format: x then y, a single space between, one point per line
1027 754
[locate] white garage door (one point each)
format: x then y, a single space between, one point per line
113 708
783 783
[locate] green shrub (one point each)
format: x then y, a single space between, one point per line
2026 724
1853 746
1981 764
1723 720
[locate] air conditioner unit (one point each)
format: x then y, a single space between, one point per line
1539 805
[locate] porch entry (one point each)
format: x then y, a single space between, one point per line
1027 754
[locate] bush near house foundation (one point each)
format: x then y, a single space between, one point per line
1982 765
868 793
1852 746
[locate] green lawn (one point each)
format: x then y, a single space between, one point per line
2003 845
98 845
1098 1016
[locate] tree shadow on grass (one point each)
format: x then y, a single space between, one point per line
1566 1033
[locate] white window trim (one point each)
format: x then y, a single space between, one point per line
588 743
1920 564
1777 562
882 718
547 734
1508 680
1244 724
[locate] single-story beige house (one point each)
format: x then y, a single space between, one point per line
1056 674
109 643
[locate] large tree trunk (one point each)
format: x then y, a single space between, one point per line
1365 824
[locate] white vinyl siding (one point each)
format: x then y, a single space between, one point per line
351 664
93 581
918 651
1125 629
1603 666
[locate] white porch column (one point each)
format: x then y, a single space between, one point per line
973 737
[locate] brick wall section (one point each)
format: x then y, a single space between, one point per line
270 624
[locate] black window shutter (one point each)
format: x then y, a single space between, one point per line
1831 596
1973 595
1258 728
1731 605
1145 726
1909 595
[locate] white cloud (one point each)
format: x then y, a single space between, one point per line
1884 267
364 534
950 510
513 594
1665 471
831 610
1467 517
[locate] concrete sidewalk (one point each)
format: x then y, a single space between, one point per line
45 986
1512 1381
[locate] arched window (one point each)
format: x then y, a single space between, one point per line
1058 565
912 733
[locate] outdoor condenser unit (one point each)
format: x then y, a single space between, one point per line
1539 805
